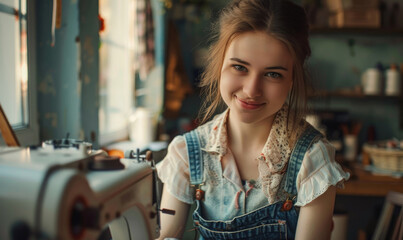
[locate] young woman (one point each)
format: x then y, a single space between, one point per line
258 170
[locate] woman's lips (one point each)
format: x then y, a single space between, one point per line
249 104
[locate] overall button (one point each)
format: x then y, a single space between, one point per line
199 194
287 205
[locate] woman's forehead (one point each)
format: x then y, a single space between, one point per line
259 47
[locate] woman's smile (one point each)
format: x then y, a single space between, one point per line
249 104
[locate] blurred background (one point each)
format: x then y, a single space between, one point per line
125 73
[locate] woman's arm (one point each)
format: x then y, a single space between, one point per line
315 218
173 226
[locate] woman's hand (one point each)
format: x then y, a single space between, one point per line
173 226
315 219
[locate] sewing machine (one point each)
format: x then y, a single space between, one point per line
66 190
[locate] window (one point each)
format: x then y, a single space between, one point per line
116 68
17 91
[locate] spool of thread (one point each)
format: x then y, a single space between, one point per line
142 127
350 147
392 87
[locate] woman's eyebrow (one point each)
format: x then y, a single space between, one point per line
277 67
248 64
240 61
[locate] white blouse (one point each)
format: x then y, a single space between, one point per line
318 171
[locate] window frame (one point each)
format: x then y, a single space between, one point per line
29 135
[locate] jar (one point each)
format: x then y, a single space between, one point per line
392 84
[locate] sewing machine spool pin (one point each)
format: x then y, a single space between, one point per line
135 155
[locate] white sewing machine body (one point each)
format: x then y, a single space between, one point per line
48 193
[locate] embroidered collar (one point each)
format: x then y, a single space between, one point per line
277 149
218 138
274 156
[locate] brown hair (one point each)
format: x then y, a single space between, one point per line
283 20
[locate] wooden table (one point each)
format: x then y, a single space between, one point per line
364 183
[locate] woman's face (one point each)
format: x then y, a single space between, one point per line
256 77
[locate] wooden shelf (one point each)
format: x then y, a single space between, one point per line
382 32
364 183
351 94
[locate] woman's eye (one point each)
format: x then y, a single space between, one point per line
239 68
273 75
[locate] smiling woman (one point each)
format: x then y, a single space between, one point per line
251 167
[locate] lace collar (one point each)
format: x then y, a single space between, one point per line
274 156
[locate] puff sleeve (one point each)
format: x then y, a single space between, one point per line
173 171
319 171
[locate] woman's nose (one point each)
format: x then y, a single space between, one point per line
252 86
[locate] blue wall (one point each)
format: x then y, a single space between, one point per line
57 79
67 77
335 65
89 72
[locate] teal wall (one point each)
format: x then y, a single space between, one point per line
67 76
57 79
335 65
88 74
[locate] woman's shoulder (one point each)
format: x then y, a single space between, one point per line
322 150
178 144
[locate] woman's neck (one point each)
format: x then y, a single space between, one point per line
248 136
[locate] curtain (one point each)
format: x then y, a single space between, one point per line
145 49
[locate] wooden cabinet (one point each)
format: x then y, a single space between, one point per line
391 32
363 183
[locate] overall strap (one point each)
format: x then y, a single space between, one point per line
309 136
195 158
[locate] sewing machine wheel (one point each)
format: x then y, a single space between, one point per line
130 226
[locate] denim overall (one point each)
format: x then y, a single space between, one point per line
268 222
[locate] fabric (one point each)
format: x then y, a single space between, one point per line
177 85
270 222
275 155
145 48
319 169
